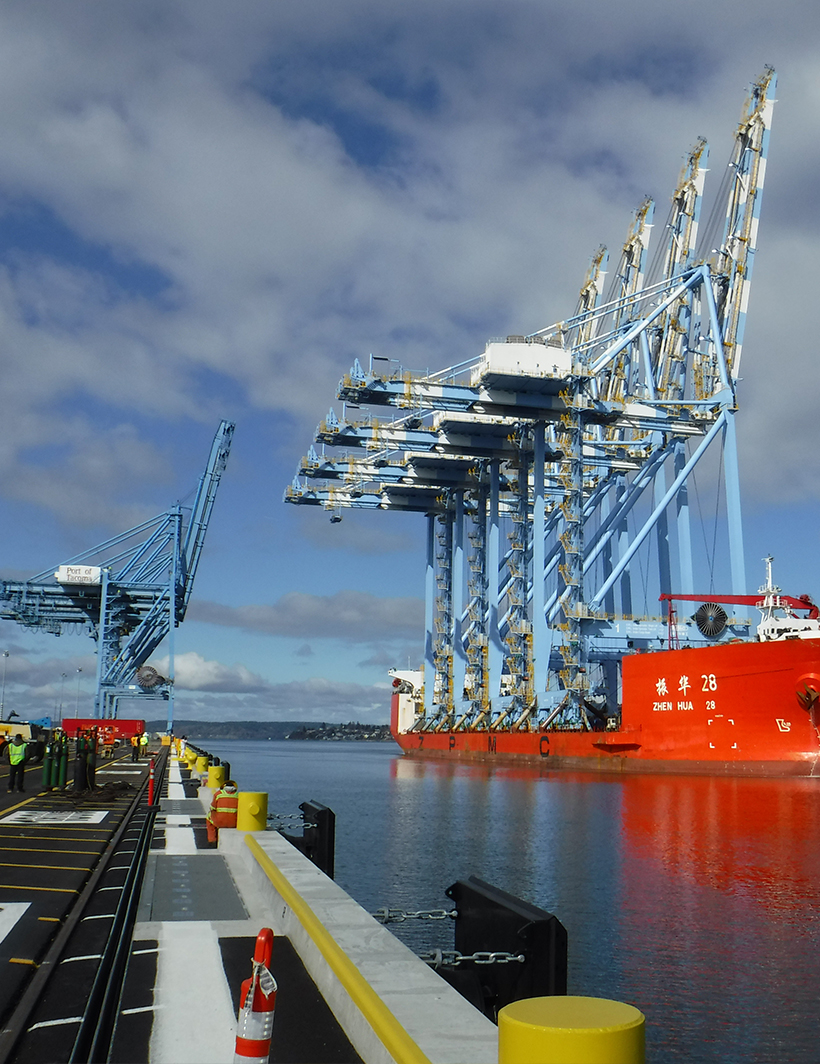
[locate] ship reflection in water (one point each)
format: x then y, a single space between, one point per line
695 898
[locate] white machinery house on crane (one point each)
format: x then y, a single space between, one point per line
129 593
532 461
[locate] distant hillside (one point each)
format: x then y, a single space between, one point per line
203 730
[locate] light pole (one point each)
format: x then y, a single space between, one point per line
3 694
63 676
77 704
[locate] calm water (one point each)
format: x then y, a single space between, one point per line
696 899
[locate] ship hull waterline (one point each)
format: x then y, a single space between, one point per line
747 709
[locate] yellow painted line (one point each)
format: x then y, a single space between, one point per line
396 1040
51 890
22 960
43 849
49 919
19 805
53 867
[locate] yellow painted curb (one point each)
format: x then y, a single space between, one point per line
395 1038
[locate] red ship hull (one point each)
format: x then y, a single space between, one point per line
737 708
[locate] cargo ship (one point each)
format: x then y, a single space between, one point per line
740 707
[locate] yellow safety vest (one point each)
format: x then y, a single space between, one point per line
17 753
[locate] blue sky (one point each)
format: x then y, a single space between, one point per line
209 210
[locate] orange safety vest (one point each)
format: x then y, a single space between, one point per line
222 813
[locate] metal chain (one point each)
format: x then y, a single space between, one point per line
396 916
453 958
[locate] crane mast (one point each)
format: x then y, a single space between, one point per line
129 592
548 465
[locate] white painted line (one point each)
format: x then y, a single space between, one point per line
142 1008
102 916
176 792
174 820
180 840
56 1023
142 952
10 913
189 975
86 957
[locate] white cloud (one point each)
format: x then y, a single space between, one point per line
199 236
351 616
192 672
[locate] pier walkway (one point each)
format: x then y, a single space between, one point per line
349 991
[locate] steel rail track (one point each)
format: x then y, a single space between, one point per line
96 1032
99 1016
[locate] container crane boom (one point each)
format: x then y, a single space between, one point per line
128 592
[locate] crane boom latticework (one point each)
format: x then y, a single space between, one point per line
129 592
565 458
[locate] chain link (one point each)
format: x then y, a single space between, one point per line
452 958
397 916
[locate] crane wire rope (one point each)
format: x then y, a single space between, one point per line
717 508
710 553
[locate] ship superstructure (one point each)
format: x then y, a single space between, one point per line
556 466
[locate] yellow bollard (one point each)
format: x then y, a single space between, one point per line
570 1030
190 757
252 811
216 776
201 765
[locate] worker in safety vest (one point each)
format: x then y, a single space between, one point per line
144 743
17 760
135 747
222 813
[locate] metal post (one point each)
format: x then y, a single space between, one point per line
77 703
687 580
540 635
459 657
102 645
63 676
733 515
172 589
3 694
662 535
429 617
496 649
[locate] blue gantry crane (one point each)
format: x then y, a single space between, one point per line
552 463
129 592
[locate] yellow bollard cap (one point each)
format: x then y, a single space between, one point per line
570 1030
252 811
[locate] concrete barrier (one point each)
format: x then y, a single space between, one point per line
391 1005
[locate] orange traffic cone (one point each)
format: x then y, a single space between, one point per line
257 1002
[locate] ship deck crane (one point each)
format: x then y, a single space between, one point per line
129 592
548 463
